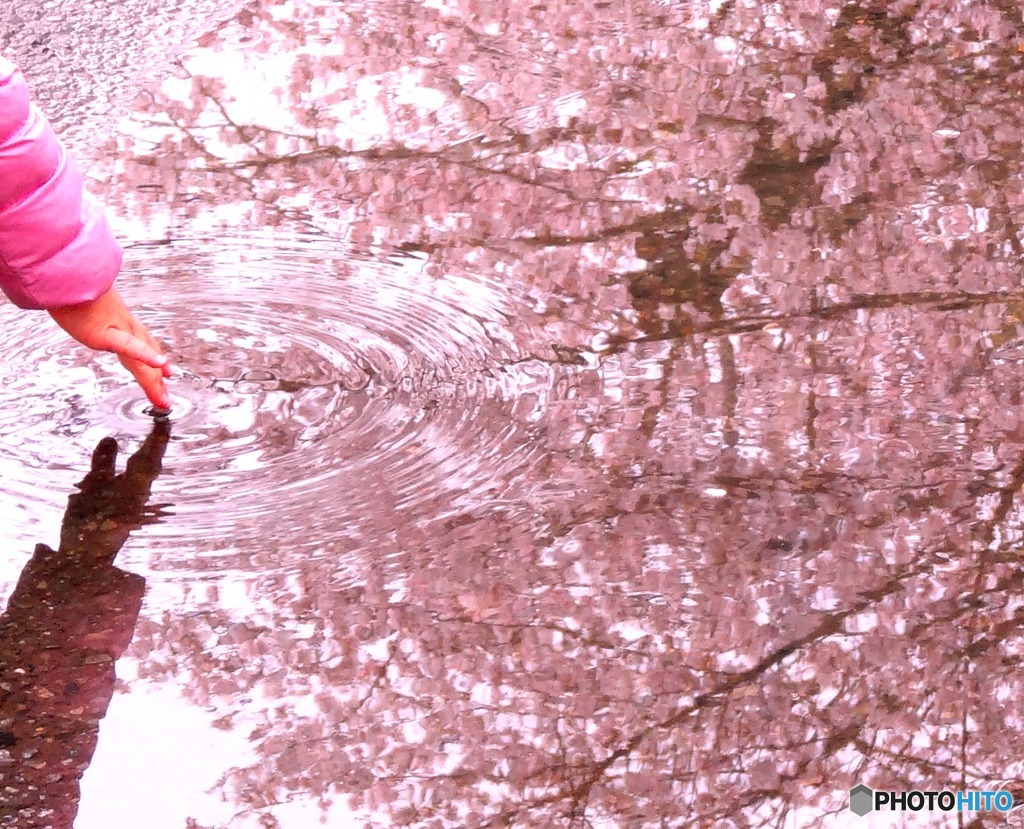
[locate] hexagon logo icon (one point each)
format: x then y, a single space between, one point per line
862 800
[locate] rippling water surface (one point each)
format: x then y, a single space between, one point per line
584 416
317 392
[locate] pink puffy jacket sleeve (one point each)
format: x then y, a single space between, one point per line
56 247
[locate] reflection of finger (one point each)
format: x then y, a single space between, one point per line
147 460
128 345
104 457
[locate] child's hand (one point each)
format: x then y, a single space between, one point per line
106 324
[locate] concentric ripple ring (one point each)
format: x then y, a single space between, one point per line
319 397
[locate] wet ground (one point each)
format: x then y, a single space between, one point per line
588 415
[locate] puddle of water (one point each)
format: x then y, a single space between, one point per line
597 416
